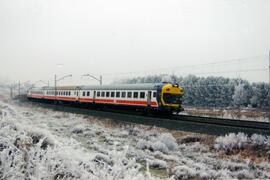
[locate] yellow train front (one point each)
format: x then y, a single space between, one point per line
170 98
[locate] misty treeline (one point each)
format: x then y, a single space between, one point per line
215 91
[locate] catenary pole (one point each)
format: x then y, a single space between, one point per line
55 81
269 67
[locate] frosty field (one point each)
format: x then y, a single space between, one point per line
38 143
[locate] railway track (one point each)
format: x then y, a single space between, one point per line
198 124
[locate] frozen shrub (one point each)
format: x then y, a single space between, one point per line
159 146
183 172
46 142
230 142
23 142
257 140
102 158
157 164
168 140
78 129
4 143
244 174
133 131
143 144
124 134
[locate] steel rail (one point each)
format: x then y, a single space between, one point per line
197 124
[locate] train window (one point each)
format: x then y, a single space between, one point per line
123 95
69 93
135 95
98 94
129 94
103 94
118 94
154 94
88 93
112 94
83 94
107 94
142 95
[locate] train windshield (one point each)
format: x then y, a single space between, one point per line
172 98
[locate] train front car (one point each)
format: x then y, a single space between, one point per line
171 98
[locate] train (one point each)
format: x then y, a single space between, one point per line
148 97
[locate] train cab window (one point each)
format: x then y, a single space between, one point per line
123 95
142 95
107 94
112 94
135 95
129 94
98 94
154 94
88 93
83 94
118 94
103 94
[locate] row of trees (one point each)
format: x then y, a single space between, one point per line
215 91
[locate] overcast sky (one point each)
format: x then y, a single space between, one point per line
112 36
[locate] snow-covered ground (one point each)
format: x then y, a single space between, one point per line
38 143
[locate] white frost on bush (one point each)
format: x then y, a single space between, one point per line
157 164
183 172
231 141
163 143
168 140
260 140
240 141
143 144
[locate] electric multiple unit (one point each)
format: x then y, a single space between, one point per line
158 97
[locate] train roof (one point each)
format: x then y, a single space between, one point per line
62 88
141 86
144 86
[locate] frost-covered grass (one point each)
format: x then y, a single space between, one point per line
38 143
239 141
257 146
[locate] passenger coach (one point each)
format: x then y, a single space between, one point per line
157 97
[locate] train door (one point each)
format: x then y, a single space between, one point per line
77 94
94 96
149 97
